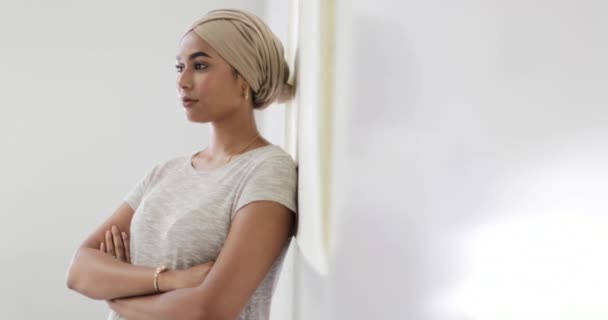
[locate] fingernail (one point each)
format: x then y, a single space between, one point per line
124 235
114 228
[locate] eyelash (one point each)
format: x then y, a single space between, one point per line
197 66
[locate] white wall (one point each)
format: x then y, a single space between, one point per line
471 165
87 106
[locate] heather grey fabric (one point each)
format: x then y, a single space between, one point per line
182 216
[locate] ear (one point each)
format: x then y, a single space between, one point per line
243 84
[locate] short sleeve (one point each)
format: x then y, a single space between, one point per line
274 179
136 194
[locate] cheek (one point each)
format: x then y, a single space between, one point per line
219 88
204 84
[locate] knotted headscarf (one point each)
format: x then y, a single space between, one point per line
248 45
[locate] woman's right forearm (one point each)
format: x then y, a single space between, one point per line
100 276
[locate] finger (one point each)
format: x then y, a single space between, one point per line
110 244
119 248
127 244
102 247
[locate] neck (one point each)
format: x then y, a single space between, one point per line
229 136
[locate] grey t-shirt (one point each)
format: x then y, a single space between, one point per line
182 215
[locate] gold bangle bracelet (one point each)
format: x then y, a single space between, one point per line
159 270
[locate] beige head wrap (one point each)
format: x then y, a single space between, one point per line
248 44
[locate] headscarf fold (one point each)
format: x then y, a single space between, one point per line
248 45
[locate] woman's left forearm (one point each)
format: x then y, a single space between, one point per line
177 304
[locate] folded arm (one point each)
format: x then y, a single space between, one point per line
257 236
99 275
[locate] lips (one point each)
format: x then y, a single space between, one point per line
187 102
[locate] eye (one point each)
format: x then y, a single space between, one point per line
179 67
200 66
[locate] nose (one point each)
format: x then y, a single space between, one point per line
184 80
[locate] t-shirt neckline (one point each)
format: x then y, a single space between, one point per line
224 166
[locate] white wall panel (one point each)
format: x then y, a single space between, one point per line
470 163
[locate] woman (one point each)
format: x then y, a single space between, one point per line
208 232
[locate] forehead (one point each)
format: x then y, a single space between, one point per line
192 43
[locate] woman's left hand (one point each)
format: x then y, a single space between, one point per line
116 244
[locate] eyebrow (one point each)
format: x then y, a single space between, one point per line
195 55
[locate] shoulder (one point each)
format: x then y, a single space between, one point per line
266 163
273 159
274 153
270 175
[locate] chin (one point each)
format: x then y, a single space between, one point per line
198 118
